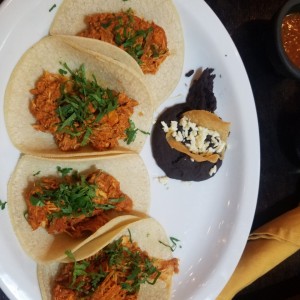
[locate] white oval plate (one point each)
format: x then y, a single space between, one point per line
212 219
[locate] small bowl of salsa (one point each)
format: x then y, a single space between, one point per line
287 39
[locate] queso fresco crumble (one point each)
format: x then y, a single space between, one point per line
197 139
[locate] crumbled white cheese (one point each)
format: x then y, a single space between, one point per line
163 180
179 137
165 126
213 170
174 127
197 139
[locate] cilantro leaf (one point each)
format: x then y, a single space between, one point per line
2 204
73 198
52 7
37 201
173 245
131 132
82 108
79 267
123 258
64 171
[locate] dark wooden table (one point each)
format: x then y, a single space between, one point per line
277 101
278 107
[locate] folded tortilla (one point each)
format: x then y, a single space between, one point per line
128 169
97 47
206 119
69 20
150 237
47 55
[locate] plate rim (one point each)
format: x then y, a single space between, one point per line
8 4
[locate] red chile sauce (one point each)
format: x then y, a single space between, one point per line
290 34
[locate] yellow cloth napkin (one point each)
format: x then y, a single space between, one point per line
267 246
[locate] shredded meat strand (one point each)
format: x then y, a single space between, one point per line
46 93
113 125
109 289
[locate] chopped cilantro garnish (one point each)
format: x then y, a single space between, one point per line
130 237
62 72
35 201
131 268
173 245
140 268
131 132
79 268
74 198
64 171
86 136
2 204
131 40
52 7
84 106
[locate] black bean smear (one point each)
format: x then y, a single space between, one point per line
201 95
175 164
189 73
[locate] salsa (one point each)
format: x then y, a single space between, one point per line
116 272
145 41
290 35
75 204
79 112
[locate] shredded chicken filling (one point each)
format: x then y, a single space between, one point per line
74 204
145 41
116 272
80 113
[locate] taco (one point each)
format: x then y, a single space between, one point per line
199 134
189 139
97 47
62 101
149 31
62 204
134 263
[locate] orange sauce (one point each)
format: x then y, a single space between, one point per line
290 34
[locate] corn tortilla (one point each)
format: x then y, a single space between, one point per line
99 47
69 20
46 55
128 169
149 235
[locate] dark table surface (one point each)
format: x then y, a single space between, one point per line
278 107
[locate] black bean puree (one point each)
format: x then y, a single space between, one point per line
175 164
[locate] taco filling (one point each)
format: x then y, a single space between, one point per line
79 112
190 135
75 204
116 272
145 41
